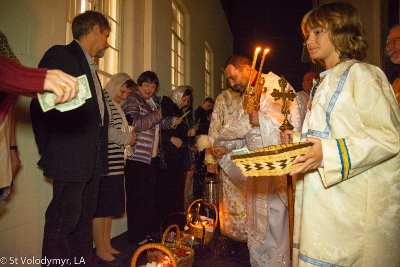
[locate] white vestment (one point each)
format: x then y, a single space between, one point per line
302 101
266 207
347 213
232 200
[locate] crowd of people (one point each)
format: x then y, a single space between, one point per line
127 141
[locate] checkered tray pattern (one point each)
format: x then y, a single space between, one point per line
273 160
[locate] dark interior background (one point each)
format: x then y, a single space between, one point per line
274 24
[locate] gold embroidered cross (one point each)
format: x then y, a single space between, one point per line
289 95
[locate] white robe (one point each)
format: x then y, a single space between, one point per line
266 197
302 101
347 213
232 200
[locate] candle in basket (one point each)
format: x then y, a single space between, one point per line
191 244
198 210
188 218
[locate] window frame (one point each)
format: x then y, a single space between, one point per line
177 46
112 10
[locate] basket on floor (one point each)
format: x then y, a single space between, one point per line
272 160
152 246
174 248
205 233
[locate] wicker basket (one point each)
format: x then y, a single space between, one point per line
272 160
152 246
200 232
182 261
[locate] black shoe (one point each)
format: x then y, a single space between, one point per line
143 242
125 259
123 256
153 239
99 262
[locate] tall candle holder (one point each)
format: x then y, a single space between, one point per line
252 95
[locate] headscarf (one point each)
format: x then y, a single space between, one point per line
112 87
5 98
5 48
177 93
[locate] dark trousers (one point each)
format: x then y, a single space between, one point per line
140 184
199 175
170 184
68 227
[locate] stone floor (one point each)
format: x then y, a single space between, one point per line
221 251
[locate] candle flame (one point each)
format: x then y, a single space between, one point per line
192 238
258 49
266 50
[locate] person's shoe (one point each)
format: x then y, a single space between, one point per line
99 262
125 259
123 256
153 239
143 242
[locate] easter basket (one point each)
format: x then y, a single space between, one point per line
273 160
177 249
204 231
152 247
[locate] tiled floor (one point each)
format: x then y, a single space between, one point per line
221 251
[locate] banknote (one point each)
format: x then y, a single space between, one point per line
46 99
241 151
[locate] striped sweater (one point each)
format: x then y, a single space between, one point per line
117 139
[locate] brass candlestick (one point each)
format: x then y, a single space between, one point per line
252 95
289 95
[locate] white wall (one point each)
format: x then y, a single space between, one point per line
33 26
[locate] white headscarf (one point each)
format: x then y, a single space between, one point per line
112 87
177 93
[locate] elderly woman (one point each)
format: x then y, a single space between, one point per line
144 115
111 201
176 146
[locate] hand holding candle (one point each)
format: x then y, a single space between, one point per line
175 121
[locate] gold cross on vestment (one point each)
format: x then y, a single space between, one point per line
289 95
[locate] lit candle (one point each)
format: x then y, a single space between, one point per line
252 68
262 63
191 244
255 57
263 58
198 210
